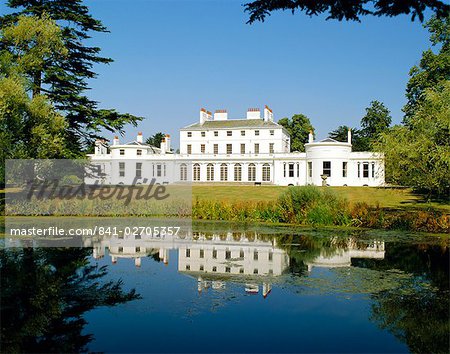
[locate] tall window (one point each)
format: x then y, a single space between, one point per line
237 172
256 148
158 170
266 172
202 148
271 145
373 169
183 172
210 172
189 134
256 132
242 132
344 169
366 170
251 172
229 133
224 172
196 172
272 132
121 169
229 149
189 149
203 134
139 152
122 152
291 170
242 148
216 133
216 149
138 169
326 168
310 169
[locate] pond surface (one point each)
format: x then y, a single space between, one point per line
222 290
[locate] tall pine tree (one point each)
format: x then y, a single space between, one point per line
65 79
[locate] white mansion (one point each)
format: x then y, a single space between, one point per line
255 150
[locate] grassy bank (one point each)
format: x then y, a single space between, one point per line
310 206
403 199
313 206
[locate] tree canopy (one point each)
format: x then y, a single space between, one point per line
298 128
340 134
155 139
418 152
418 155
376 120
433 69
64 79
349 10
30 127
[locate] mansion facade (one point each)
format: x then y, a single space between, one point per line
254 150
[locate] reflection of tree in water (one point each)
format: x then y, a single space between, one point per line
419 317
45 293
306 248
409 287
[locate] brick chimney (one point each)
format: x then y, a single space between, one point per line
253 113
163 146
205 115
221 114
167 142
268 114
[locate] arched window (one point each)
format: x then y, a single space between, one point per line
183 172
266 172
251 172
210 172
196 172
224 172
237 172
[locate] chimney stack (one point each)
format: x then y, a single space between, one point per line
253 113
220 114
310 137
168 142
349 136
116 140
163 146
205 115
139 138
268 114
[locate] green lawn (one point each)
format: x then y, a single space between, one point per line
389 198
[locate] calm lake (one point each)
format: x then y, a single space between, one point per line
225 288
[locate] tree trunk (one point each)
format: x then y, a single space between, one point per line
37 83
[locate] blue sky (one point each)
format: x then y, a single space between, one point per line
173 57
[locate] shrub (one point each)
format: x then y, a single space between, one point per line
313 205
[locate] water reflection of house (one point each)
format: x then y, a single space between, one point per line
239 257
342 257
212 258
